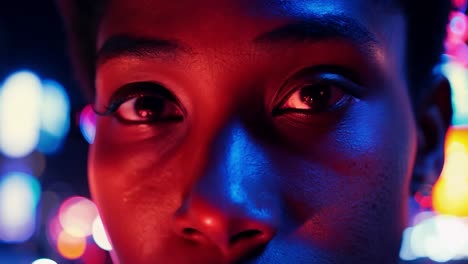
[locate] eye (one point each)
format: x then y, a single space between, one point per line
144 103
315 94
315 98
148 109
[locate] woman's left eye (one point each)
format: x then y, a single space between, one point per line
315 98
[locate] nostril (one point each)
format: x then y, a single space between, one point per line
190 231
192 234
248 244
245 235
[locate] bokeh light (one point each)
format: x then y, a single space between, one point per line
457 74
458 24
70 247
55 116
53 230
460 4
441 238
44 261
88 123
100 235
406 252
20 114
76 216
19 196
450 193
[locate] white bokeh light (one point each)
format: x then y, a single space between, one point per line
44 261
458 77
100 236
441 238
19 195
20 99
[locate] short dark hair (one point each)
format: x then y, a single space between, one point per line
426 22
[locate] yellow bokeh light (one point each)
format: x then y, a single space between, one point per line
70 247
450 194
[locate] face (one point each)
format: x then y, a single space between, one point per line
261 131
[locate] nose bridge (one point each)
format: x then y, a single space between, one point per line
232 204
236 178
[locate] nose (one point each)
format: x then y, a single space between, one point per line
232 205
235 236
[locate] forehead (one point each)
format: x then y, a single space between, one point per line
196 20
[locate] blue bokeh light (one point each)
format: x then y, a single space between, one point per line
19 196
55 117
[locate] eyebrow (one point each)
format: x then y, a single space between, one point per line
311 29
138 47
316 28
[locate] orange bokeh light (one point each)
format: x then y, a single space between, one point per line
450 193
70 247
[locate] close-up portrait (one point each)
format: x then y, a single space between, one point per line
234 131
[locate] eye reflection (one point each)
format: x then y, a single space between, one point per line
142 109
315 98
143 103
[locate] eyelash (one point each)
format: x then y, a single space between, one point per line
139 90
324 76
329 76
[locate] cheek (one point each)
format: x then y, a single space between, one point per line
134 185
353 183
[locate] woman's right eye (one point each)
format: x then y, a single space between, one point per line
144 103
148 109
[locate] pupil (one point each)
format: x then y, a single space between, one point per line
149 107
316 97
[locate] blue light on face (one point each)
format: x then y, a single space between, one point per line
19 114
55 116
19 196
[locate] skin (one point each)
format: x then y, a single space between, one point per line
232 180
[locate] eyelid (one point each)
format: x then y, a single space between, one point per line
338 75
133 90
